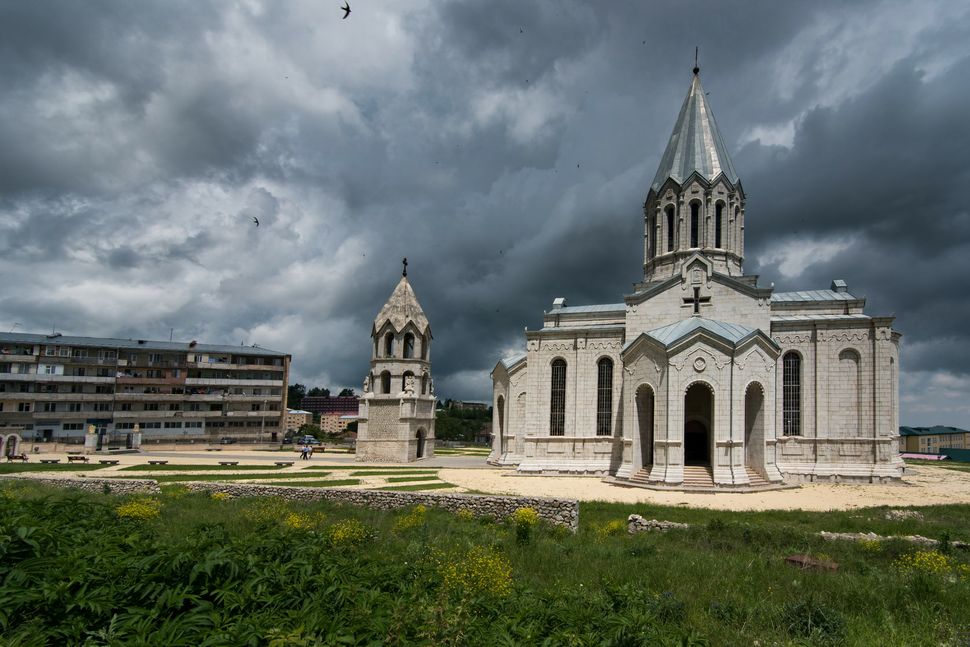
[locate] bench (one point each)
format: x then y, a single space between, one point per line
77 459
229 462
158 462
19 457
213 449
50 461
108 462
284 463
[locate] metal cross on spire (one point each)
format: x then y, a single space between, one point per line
405 261
696 69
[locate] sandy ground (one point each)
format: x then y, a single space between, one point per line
922 486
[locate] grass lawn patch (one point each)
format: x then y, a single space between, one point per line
947 465
392 472
417 488
187 568
333 483
178 478
403 479
370 468
195 468
14 468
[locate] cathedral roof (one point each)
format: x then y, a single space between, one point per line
695 146
401 308
734 333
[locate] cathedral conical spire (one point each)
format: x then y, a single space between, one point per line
402 307
696 144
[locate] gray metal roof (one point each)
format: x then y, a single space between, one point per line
783 318
509 362
669 334
813 295
402 307
132 344
591 327
931 431
575 310
695 144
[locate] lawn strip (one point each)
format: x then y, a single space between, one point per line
405 479
333 483
14 468
417 488
181 478
393 472
195 468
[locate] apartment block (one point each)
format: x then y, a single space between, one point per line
54 387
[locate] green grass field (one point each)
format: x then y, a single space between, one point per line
417 487
330 483
14 468
195 468
949 465
189 569
175 478
405 479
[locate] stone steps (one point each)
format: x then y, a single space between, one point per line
701 476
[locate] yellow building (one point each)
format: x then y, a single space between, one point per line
929 440
296 418
335 423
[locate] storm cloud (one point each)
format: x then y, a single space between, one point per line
505 148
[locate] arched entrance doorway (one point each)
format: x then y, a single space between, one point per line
10 445
500 405
645 409
754 427
421 442
698 414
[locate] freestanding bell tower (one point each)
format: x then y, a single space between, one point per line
396 416
695 203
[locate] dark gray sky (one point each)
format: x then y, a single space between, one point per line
504 147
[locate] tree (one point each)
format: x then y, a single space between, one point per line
294 395
346 393
319 391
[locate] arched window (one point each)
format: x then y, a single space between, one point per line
386 382
670 227
604 397
404 379
791 404
424 347
389 345
694 223
408 346
424 384
718 222
557 400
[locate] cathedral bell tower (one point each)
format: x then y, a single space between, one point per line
396 416
695 203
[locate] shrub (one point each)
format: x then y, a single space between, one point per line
871 546
139 509
963 572
221 496
303 520
478 571
820 623
268 510
612 528
924 562
465 515
524 519
347 533
415 518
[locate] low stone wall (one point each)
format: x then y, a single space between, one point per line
563 512
115 486
636 523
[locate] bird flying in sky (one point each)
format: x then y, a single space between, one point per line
256 220
346 9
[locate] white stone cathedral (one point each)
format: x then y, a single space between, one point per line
396 413
701 377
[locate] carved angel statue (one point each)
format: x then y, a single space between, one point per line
367 384
409 384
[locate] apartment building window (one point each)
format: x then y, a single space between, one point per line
237 391
48 388
79 372
173 425
77 388
47 369
125 406
153 372
73 406
105 372
155 358
72 426
194 425
175 406
24 388
257 392
255 406
23 407
50 407
1 406
63 352
102 406
215 407
193 406
80 352
151 406
124 425
50 351
107 354
151 425
103 388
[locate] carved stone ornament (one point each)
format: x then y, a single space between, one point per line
700 364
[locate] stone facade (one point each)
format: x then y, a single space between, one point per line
700 365
396 416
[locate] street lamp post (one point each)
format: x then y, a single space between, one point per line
262 421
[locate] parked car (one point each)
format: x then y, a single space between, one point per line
226 440
308 440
